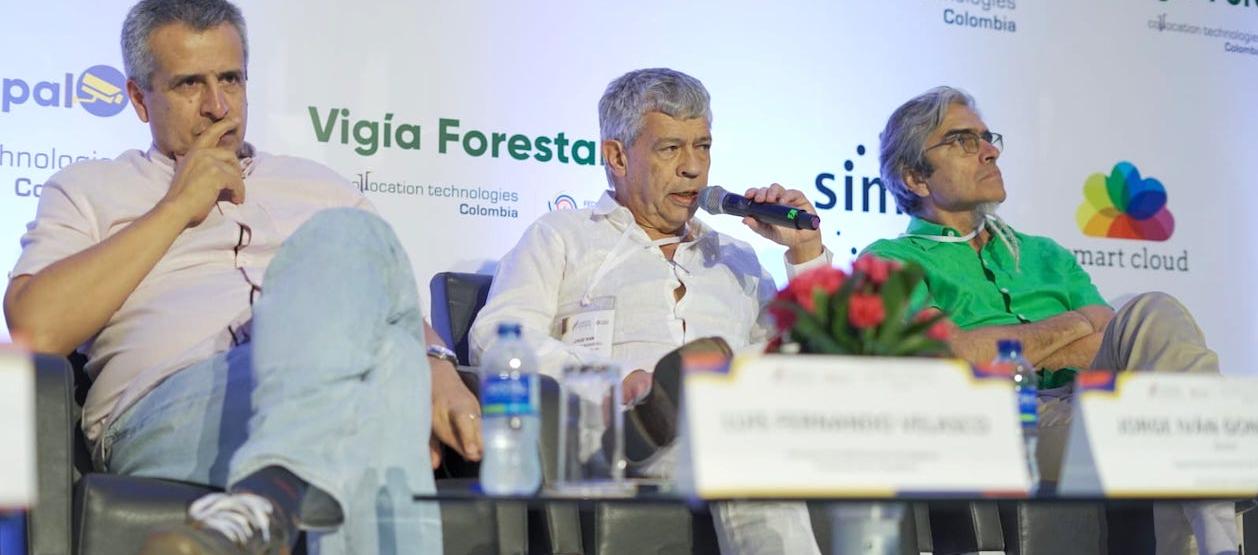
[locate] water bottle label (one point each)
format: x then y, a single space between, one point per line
1028 411
507 396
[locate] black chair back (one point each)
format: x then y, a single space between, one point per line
456 298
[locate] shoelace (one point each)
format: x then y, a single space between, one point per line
235 516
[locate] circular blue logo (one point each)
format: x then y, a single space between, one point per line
102 91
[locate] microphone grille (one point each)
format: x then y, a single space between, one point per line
710 199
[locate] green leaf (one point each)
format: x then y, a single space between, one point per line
912 345
812 335
821 305
920 345
895 296
839 327
916 328
849 343
867 341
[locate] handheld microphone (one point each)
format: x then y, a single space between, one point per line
715 200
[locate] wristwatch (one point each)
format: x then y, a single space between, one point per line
441 352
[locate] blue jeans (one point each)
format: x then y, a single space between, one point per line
334 387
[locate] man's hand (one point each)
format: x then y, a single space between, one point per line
455 415
635 387
801 245
205 175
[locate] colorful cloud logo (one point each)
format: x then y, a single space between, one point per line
1124 205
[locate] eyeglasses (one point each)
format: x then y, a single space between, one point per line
969 141
244 333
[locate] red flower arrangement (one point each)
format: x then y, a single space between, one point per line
825 310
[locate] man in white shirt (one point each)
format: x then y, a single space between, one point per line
249 322
666 278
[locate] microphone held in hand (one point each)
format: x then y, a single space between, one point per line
716 200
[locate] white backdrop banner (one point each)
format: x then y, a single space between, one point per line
1128 125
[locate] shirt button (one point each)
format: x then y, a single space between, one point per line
1004 290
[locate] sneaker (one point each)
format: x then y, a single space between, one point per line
222 524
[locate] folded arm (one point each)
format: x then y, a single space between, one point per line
1039 339
1069 340
1081 352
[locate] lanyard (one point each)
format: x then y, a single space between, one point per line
948 238
999 229
614 258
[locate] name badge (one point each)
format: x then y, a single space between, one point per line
1144 434
592 326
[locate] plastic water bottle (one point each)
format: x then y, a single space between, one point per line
509 395
1025 386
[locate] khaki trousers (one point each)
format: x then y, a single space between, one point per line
1153 332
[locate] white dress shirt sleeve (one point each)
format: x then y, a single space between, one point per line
526 291
792 270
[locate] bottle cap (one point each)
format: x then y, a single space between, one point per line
508 329
1008 346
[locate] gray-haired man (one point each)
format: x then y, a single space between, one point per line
939 161
249 322
659 277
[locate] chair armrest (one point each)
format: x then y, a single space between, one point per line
1249 526
456 299
48 525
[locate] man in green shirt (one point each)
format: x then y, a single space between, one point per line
939 161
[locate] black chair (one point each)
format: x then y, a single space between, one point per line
83 511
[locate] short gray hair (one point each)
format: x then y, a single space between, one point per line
148 15
904 138
631 96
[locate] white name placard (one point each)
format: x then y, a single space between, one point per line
17 429
1148 434
833 426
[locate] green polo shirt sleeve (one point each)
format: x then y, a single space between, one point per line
1079 287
